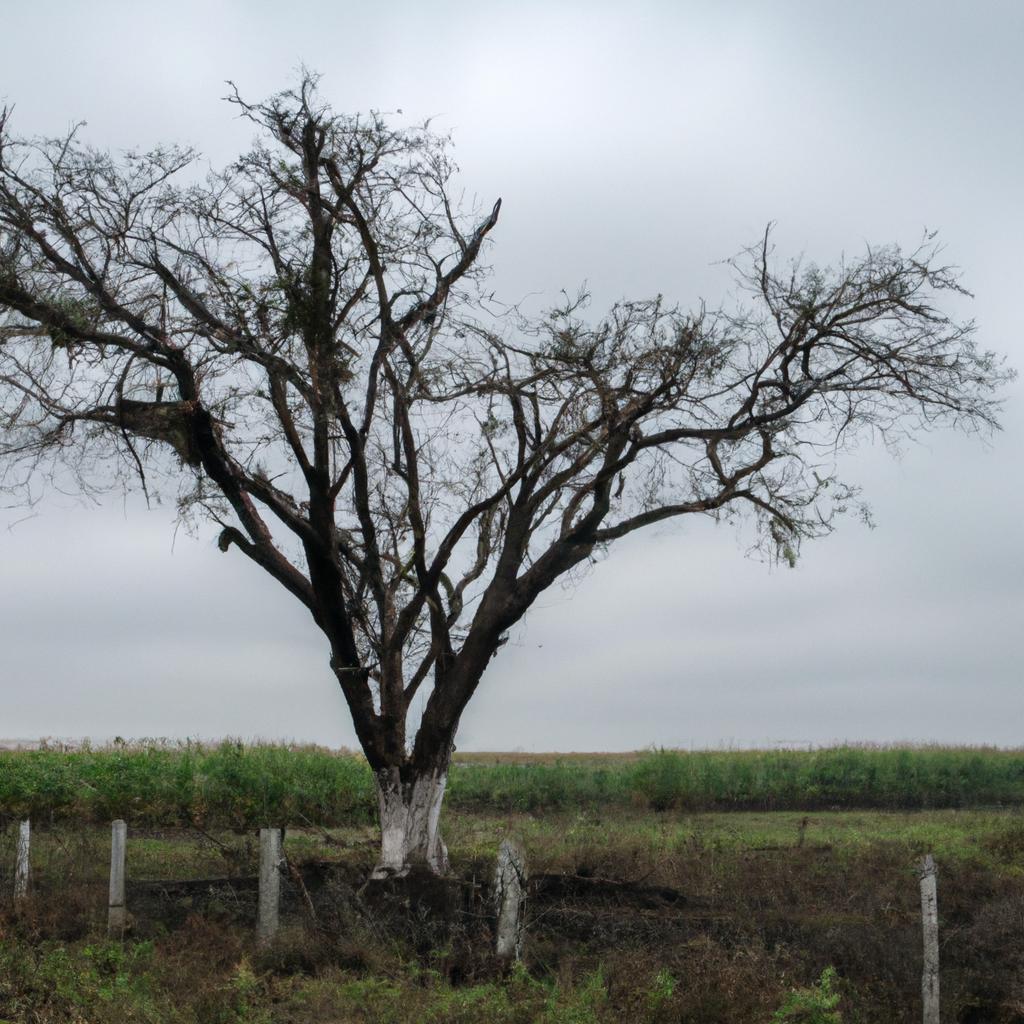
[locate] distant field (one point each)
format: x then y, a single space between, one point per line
233 785
593 757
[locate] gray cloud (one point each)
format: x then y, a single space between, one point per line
634 147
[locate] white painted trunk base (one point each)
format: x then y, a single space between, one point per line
410 819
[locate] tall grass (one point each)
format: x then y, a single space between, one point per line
898 778
235 785
903 778
229 785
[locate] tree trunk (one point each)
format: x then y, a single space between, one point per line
410 821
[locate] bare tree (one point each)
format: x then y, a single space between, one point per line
307 332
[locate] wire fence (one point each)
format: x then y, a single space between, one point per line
74 887
170 873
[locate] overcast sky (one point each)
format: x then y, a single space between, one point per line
635 146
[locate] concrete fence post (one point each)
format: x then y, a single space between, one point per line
22 868
117 911
930 925
270 885
509 897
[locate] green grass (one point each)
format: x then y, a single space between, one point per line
103 982
649 844
230 785
236 786
626 841
788 861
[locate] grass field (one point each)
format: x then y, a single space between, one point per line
635 914
659 917
247 786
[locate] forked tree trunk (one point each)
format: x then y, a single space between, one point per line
410 822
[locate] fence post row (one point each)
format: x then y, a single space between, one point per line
22 868
509 897
117 911
270 885
930 926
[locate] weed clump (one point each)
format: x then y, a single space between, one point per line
815 1005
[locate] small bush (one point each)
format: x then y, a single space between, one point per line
815 1005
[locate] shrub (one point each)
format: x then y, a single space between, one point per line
814 1005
